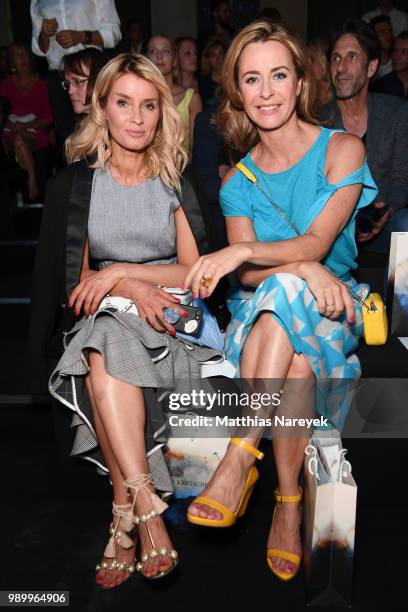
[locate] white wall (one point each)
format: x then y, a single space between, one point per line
174 17
294 12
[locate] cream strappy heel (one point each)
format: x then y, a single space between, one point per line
137 483
119 536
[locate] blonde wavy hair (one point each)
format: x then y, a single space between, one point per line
165 156
240 132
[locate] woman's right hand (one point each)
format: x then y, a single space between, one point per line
150 301
331 294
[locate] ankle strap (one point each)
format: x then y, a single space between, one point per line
142 481
248 447
124 514
288 498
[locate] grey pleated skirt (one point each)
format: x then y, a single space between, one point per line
134 353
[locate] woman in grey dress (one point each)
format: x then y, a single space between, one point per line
137 239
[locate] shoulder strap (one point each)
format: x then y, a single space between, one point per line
251 176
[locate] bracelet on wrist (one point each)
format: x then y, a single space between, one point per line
87 37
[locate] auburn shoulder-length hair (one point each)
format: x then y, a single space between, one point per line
165 156
239 131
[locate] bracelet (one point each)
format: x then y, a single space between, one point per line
88 37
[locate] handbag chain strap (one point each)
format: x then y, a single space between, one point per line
284 218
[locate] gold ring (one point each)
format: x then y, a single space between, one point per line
329 305
206 281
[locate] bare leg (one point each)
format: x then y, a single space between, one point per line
289 455
121 409
25 159
267 354
114 577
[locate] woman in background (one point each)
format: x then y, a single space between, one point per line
211 64
27 128
81 70
162 51
187 55
317 52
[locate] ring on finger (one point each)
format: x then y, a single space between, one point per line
206 281
330 306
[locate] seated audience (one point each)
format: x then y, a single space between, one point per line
396 82
317 52
221 28
383 28
121 217
27 127
81 70
60 28
399 19
381 122
187 61
162 51
134 41
211 64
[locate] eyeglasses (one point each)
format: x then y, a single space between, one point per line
76 83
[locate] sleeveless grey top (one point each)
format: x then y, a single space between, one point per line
133 224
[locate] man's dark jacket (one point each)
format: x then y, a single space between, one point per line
58 260
386 143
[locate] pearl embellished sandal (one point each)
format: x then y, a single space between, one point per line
118 537
137 483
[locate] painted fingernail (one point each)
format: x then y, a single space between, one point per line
172 331
177 299
195 296
184 313
76 313
183 286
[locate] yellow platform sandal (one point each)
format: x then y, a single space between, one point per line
284 554
229 516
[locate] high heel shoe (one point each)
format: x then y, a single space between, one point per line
284 554
119 536
137 483
229 517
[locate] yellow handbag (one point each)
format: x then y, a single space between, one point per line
373 308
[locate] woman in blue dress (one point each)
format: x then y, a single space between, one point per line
294 319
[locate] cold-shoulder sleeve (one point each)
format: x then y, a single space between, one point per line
325 190
234 198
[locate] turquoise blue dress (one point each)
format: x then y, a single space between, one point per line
301 192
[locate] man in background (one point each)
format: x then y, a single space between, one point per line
221 14
396 82
399 19
383 28
380 121
61 28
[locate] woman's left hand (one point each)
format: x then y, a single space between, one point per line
93 287
212 267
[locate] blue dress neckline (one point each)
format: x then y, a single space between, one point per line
295 165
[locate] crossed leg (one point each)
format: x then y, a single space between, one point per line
119 415
269 355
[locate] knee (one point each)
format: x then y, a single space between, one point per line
299 367
18 141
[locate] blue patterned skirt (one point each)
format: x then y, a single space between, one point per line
327 345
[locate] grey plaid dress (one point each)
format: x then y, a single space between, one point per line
133 224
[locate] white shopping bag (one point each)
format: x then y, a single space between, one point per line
192 459
330 500
398 283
